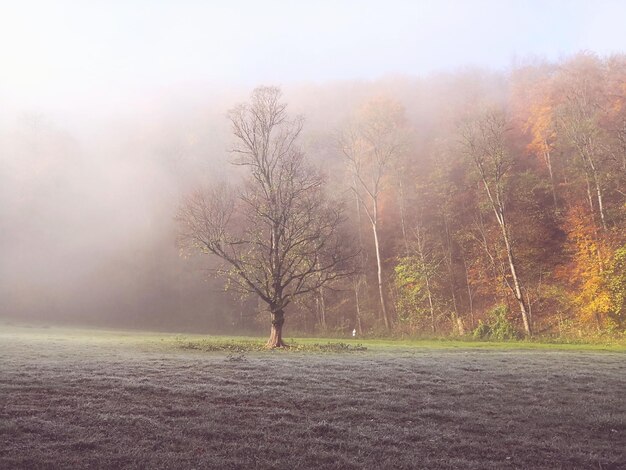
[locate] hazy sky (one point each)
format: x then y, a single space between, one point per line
64 55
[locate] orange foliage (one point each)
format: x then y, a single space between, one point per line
541 125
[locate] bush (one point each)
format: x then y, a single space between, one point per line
616 280
496 326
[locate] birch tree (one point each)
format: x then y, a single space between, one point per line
483 141
370 145
581 82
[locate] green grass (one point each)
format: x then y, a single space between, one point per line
213 343
239 345
404 344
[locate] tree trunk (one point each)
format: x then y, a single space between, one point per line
548 159
321 305
460 326
322 308
276 333
402 218
470 298
380 277
358 307
589 197
498 208
596 181
431 305
457 322
516 283
361 275
600 203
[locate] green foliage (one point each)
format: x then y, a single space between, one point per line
238 347
212 345
616 281
496 326
327 347
410 283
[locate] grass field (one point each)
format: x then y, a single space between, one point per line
93 399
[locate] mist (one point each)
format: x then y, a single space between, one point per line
109 115
88 231
87 217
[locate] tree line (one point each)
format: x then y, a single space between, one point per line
499 211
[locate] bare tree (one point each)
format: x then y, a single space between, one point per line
359 278
371 144
278 234
483 140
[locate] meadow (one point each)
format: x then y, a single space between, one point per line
113 399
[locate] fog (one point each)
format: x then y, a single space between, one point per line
87 217
88 231
110 113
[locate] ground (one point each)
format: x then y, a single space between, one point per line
111 400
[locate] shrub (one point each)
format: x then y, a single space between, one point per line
496 326
616 280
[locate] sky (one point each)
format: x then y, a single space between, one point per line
71 55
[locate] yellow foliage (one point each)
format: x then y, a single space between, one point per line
589 254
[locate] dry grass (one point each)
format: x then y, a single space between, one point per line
74 401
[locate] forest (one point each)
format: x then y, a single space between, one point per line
479 203
504 214
499 214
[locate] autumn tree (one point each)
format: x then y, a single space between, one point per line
446 220
578 116
483 139
585 273
277 234
614 121
543 128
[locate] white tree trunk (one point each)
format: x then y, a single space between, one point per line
381 289
516 283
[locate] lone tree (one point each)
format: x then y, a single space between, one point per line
277 234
